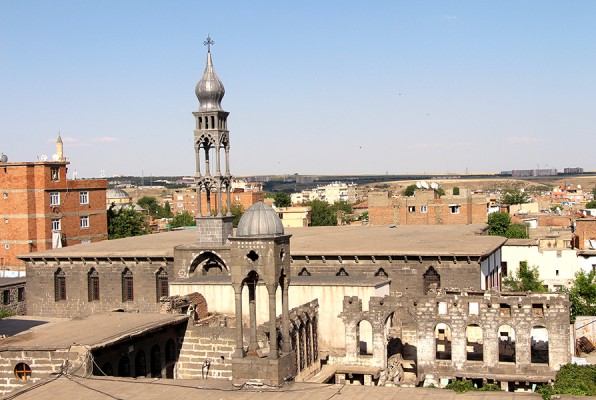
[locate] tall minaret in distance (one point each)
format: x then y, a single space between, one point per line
59 149
211 138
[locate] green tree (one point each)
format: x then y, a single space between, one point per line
517 231
455 191
514 196
582 294
409 191
345 208
441 191
237 211
591 204
167 210
150 204
126 222
579 380
527 279
498 223
321 213
182 219
282 199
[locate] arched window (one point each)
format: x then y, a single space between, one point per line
431 279
443 342
93 285
124 366
506 344
155 362
140 364
364 338
161 284
127 285
539 346
474 343
59 285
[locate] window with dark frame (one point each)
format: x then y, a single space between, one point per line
161 284
6 297
59 285
55 173
127 285
93 285
22 371
21 294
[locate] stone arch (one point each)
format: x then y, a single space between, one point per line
474 343
431 279
170 351
442 341
539 345
506 337
140 364
208 263
364 337
124 366
156 362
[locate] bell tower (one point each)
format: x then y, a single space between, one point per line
211 140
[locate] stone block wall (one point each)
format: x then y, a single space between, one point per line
546 316
41 362
205 344
13 295
406 273
41 299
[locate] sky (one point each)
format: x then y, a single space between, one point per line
312 87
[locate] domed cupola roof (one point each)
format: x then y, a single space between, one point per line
210 91
259 220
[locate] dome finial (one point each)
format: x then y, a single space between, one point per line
209 90
208 42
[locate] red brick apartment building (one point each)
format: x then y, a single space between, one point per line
186 200
427 208
40 209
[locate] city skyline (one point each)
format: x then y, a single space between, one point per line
326 88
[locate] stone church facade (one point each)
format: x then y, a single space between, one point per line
375 305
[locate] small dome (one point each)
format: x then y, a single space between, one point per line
259 221
116 194
210 91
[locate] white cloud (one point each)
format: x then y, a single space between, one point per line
105 139
428 145
522 139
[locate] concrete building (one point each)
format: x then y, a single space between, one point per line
187 200
294 217
336 191
14 299
426 208
41 209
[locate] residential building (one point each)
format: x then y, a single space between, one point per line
41 209
186 200
426 208
294 217
336 191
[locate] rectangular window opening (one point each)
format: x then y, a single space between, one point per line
84 197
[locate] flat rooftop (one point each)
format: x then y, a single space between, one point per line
101 388
444 240
95 331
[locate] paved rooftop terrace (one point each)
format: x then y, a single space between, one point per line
462 240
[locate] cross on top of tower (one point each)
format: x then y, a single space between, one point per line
208 43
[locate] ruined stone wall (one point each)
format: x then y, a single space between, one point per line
456 351
41 362
202 344
406 274
13 295
41 298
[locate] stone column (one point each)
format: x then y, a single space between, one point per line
217 161
227 159
208 194
285 317
229 194
219 199
273 350
239 353
207 168
253 346
199 202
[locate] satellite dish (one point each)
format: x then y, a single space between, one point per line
102 173
74 175
3 157
434 185
43 157
578 186
55 157
418 184
424 184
